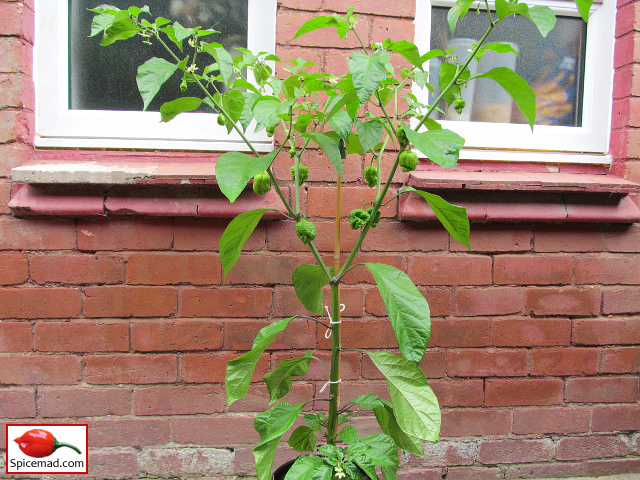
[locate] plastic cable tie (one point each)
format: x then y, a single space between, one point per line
327 384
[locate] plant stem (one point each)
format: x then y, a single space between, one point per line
334 386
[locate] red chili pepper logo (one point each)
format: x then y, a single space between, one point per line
39 443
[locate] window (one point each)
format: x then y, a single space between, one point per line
571 72
82 100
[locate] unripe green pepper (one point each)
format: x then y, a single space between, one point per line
402 136
221 120
261 183
271 131
376 219
306 231
371 175
408 161
303 173
358 218
292 152
458 105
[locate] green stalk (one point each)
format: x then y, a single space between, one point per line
334 386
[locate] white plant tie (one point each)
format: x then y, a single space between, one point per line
327 384
327 334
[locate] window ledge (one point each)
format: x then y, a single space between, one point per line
527 197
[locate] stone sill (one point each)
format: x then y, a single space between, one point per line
526 197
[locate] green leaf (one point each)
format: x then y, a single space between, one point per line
121 28
246 117
408 50
440 146
101 22
304 466
341 123
236 234
407 308
235 169
349 435
267 111
169 110
368 72
496 47
136 11
541 15
458 11
181 32
452 217
303 439
583 7
233 103
240 370
517 87
222 57
368 400
152 74
278 381
414 403
271 425
330 147
323 21
380 450
308 281
369 134
389 425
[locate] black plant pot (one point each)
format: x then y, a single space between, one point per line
282 470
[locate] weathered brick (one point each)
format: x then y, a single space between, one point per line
473 473
15 337
523 332
178 400
14 268
497 238
533 270
450 270
187 461
130 368
17 403
126 301
39 302
20 234
608 418
608 271
112 464
13 51
124 235
40 369
546 420
606 331
82 336
488 301
620 360
182 335
421 473
564 361
475 422
212 367
624 238
130 432
173 268
503 392
601 389
515 451
404 8
621 300
486 363
458 393
459 332
76 269
568 238
562 301
83 402
446 453
545 470
225 302
607 467
588 448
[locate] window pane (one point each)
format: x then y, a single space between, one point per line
104 78
553 66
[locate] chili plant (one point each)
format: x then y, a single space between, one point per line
332 113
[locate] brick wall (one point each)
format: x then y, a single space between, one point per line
126 323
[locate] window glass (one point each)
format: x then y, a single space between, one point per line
104 78
553 66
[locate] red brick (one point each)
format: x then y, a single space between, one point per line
212 367
362 274
486 363
569 238
40 369
533 270
290 21
173 268
13 268
523 332
322 201
459 332
473 473
286 303
5 193
265 269
281 237
19 234
543 391
124 235
17 403
349 365
608 467
587 448
562 301
362 333
257 398
198 430
458 393
15 337
607 418
13 155
621 300
129 432
623 238
396 29
299 334
12 48
82 336
545 470
608 331
601 389
421 473
620 360
404 8
83 402
39 302
121 301
178 400
488 301
548 420
350 390
77 269
187 462
608 271
205 235
564 361
475 422
225 302
10 13
183 335
515 451
497 238
450 270
445 453
130 368
112 464
415 237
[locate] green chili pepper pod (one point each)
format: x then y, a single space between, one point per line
408 161
306 231
371 175
261 183
402 136
303 172
358 218
376 219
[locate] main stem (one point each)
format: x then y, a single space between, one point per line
334 386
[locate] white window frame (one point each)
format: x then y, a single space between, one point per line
58 126
555 144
